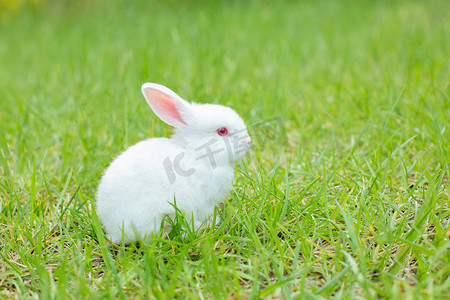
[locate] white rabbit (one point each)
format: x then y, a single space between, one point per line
194 167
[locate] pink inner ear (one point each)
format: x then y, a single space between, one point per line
164 106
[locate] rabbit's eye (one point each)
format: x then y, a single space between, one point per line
222 131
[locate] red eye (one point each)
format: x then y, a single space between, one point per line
222 131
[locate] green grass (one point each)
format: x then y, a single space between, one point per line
355 204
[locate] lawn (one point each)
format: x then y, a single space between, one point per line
344 195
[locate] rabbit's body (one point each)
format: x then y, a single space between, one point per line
142 207
194 169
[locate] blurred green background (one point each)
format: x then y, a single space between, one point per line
328 65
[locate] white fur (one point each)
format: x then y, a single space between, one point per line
137 189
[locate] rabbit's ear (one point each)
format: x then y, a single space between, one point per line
167 105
